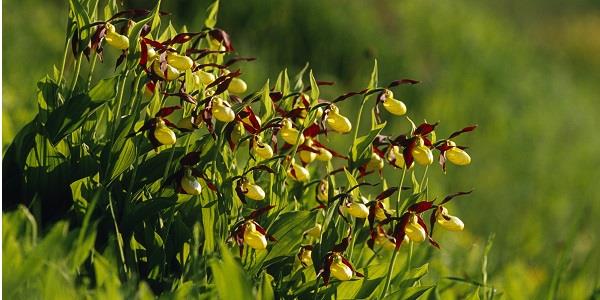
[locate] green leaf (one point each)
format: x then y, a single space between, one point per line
283 82
288 230
229 277
411 293
146 210
82 19
213 11
265 290
373 83
314 89
352 182
266 102
156 15
361 153
474 295
70 116
124 159
134 35
413 276
299 86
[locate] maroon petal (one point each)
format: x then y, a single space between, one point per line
466 129
425 129
421 207
450 197
258 212
402 81
223 38
166 111
387 193
431 241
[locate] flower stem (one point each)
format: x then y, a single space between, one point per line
388 279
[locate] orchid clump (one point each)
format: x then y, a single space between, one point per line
283 171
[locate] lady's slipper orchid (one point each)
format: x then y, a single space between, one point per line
253 191
392 105
448 221
305 256
357 210
180 62
336 265
323 190
163 134
262 150
222 111
414 230
298 172
314 232
337 122
237 86
172 73
248 232
395 156
116 39
305 155
456 155
204 77
254 238
158 130
189 184
422 155
375 164
339 269
324 154
189 123
289 134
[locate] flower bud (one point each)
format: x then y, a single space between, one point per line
324 154
414 230
447 221
263 150
222 111
172 72
306 257
314 232
290 134
422 155
190 184
117 40
358 210
204 77
181 62
340 270
392 105
253 191
237 86
300 172
163 134
337 122
458 156
253 238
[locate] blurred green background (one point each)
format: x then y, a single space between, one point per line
527 73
